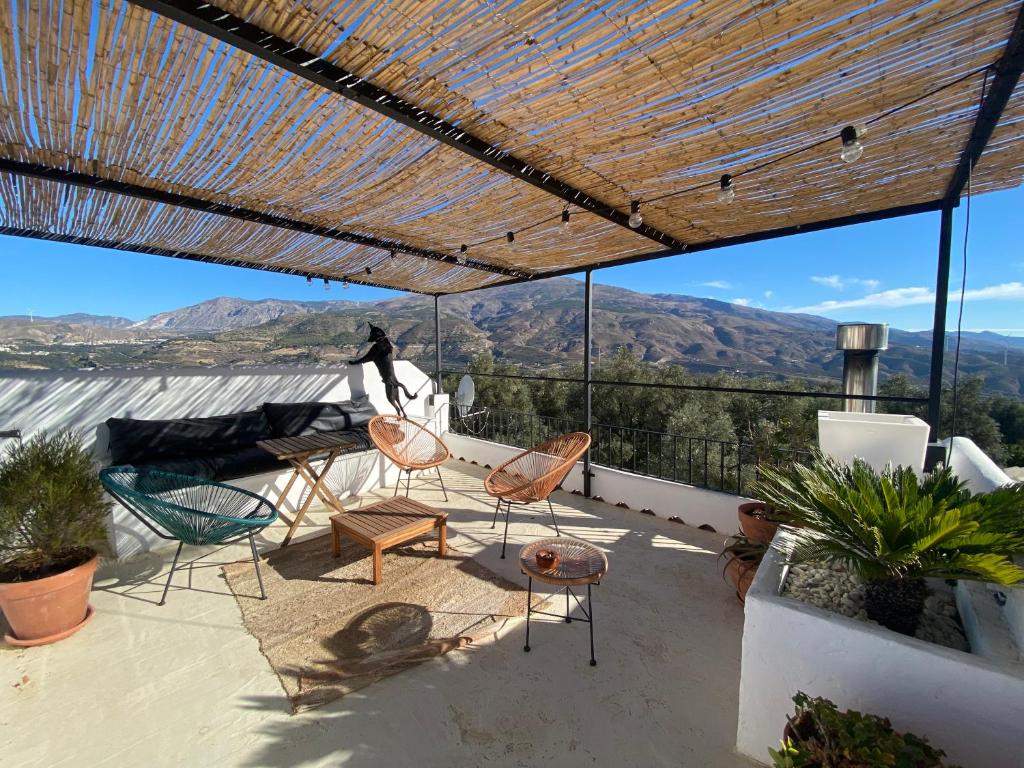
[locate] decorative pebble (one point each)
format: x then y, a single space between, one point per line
837 590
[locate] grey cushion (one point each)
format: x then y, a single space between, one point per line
142 441
291 419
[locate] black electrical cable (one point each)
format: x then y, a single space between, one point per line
963 292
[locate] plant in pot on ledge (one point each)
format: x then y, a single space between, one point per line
742 557
818 735
893 530
52 516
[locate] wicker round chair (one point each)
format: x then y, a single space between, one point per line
410 446
533 475
190 510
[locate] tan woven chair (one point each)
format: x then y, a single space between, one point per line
409 446
533 475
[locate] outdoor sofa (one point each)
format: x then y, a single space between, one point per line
225 447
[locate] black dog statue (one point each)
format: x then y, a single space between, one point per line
381 355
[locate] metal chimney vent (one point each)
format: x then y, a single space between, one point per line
861 343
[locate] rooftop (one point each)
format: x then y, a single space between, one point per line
186 684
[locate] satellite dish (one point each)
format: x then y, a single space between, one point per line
465 395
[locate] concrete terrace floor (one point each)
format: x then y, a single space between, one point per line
186 685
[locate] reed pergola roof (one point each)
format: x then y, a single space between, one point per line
369 140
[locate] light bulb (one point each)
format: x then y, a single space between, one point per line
566 225
852 148
461 258
368 271
635 219
510 240
327 284
726 192
393 254
309 279
344 284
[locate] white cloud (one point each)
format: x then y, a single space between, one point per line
769 294
842 283
742 302
721 285
907 297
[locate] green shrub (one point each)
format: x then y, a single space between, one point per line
894 529
820 736
52 507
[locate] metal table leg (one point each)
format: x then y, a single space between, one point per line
529 609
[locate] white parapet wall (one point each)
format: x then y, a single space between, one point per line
968 706
694 506
83 400
973 465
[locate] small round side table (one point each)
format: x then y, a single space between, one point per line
578 563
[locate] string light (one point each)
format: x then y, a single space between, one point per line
852 148
344 284
327 284
635 218
368 271
726 192
309 279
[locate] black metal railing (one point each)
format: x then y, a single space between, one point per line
704 462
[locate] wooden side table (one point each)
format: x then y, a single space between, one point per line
578 563
299 451
387 523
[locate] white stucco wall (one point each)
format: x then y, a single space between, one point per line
695 506
83 400
970 707
973 465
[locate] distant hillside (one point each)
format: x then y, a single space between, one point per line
536 325
226 313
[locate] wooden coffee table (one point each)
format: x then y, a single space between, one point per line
387 523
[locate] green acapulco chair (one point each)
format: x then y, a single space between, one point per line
190 510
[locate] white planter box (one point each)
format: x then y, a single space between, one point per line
877 438
970 707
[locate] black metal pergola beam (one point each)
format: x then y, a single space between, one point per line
33 170
1006 73
275 50
755 237
186 255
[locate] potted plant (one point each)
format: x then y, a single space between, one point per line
52 513
818 735
759 521
742 557
894 530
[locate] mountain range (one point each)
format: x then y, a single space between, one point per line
535 325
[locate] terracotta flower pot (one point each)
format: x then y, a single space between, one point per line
756 528
46 610
741 573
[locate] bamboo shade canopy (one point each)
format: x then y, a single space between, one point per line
640 99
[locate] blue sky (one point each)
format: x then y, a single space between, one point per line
881 272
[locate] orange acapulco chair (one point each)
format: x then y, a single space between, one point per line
410 446
533 475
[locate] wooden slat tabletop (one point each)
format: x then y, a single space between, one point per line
304 446
388 517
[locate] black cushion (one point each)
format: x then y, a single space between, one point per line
143 441
291 419
222 466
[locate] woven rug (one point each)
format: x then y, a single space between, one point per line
327 630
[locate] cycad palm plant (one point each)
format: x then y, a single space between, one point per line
894 529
